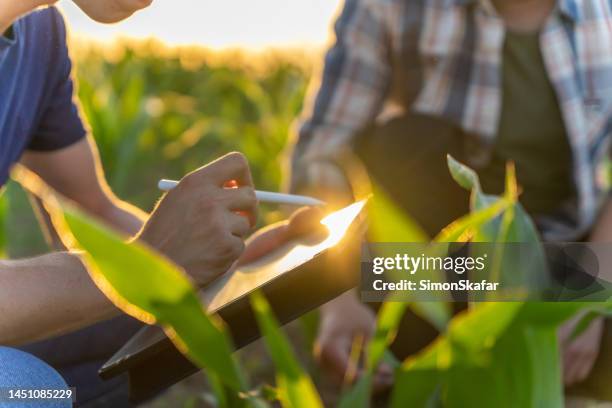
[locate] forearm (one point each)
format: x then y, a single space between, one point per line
122 216
46 296
87 187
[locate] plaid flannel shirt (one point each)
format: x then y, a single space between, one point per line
443 58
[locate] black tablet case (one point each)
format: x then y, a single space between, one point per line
295 278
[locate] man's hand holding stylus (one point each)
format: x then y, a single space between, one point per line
201 224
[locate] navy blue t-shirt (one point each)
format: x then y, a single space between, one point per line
37 107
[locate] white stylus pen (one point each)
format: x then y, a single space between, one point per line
262 196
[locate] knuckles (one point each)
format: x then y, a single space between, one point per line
189 182
230 250
236 158
249 195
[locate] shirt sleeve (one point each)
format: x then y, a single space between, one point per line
60 123
352 90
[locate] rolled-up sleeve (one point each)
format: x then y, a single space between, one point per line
351 91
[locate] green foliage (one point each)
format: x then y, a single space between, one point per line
495 354
155 115
154 290
158 113
295 388
168 296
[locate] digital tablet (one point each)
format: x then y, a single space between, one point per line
297 277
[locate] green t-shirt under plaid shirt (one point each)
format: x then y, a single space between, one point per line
531 130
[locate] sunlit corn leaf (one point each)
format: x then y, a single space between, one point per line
143 284
416 388
388 321
419 377
470 336
512 224
528 351
480 328
552 314
543 348
463 175
521 370
295 388
467 226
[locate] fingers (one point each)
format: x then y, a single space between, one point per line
570 361
580 354
240 199
334 356
585 368
307 220
263 242
578 361
383 377
243 201
229 170
239 225
232 166
235 247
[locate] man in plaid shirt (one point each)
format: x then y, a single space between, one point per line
488 81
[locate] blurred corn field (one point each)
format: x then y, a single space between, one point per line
161 112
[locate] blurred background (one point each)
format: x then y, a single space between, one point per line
176 86
181 83
219 24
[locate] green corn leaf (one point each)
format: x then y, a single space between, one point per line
420 376
143 284
462 174
470 338
467 226
154 289
483 325
295 388
543 349
388 320
359 395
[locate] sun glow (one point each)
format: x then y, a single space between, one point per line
218 24
242 280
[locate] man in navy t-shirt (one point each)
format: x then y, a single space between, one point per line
200 225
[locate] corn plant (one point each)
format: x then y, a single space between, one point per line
494 354
156 115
